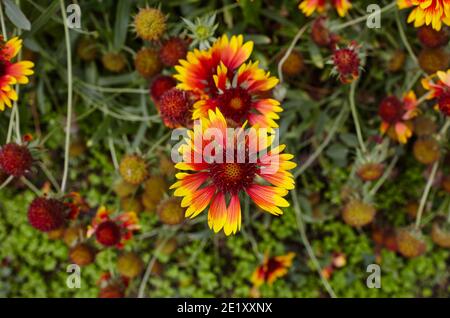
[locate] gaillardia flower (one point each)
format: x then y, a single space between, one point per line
272 268
440 90
308 7
396 116
434 12
11 73
216 181
113 231
347 63
220 79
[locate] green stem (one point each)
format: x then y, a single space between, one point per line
355 117
289 51
430 181
323 145
448 213
301 228
50 177
405 39
69 98
361 19
426 191
31 186
2 22
384 177
7 181
152 149
112 149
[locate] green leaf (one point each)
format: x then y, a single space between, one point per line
121 25
16 16
43 19
316 57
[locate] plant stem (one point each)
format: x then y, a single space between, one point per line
2 22
430 181
69 98
150 265
426 191
112 149
301 228
384 177
31 186
50 177
361 19
355 117
289 51
7 181
405 39
448 213
324 144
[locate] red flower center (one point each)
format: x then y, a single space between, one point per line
235 104
2 68
391 110
346 61
272 266
174 108
444 104
108 233
232 177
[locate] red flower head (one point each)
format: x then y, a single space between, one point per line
160 85
321 35
175 107
172 51
46 214
112 287
439 90
272 268
15 160
113 231
347 63
11 73
216 181
220 79
396 115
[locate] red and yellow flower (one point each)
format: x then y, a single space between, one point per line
308 7
220 78
127 223
11 73
213 183
439 90
434 12
396 116
272 268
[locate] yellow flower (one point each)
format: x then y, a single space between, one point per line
434 12
11 73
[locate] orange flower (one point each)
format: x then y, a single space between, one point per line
127 222
440 90
308 7
213 183
396 114
11 73
434 12
220 79
272 268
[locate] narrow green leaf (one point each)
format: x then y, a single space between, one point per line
121 24
316 57
16 16
43 19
